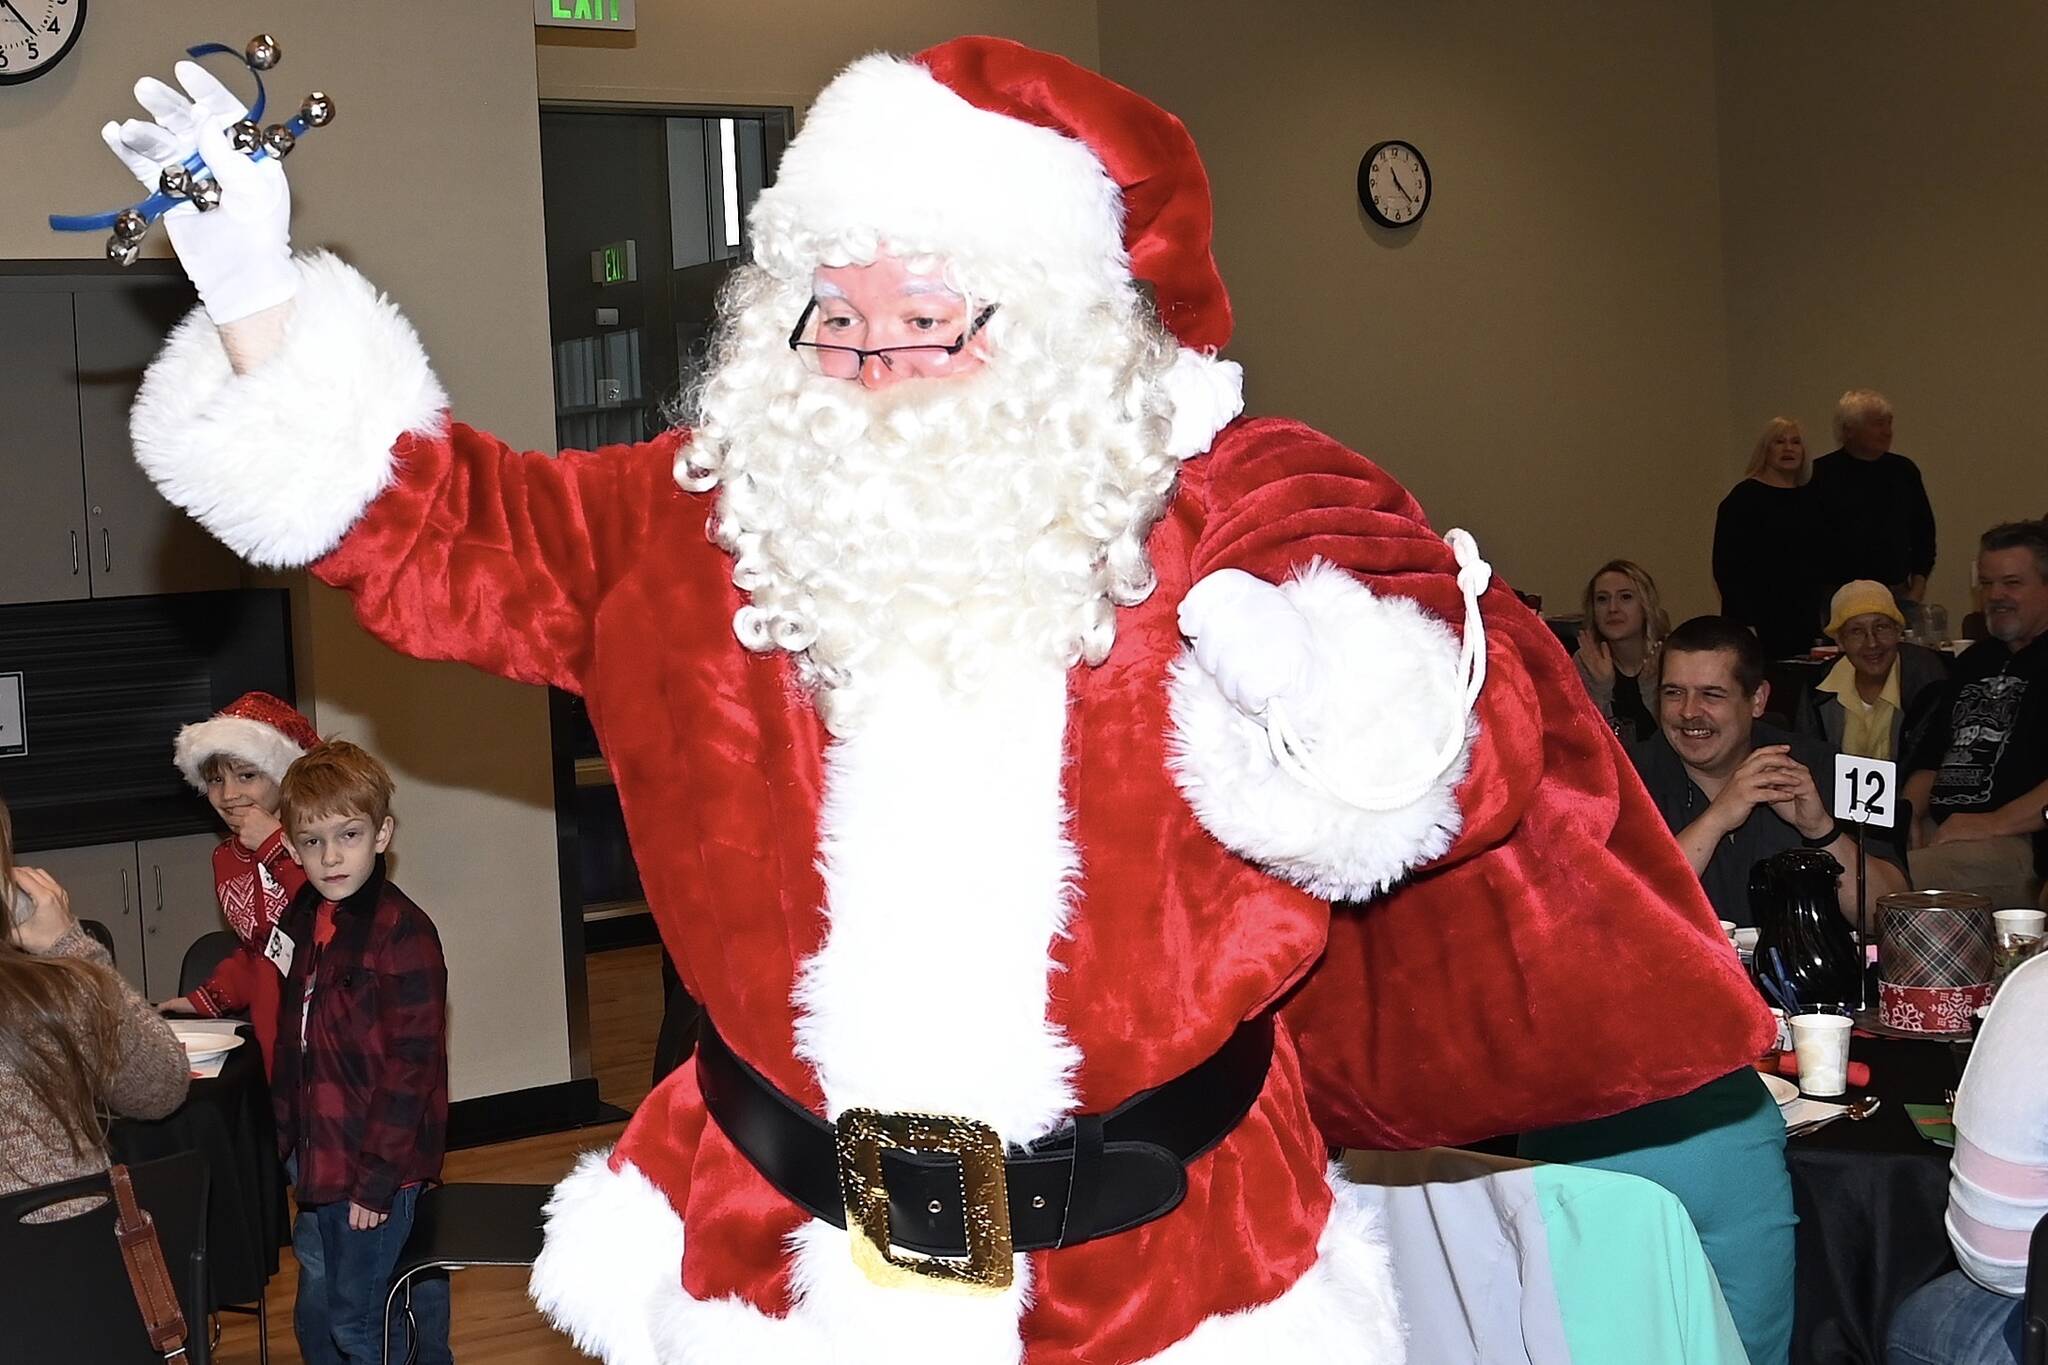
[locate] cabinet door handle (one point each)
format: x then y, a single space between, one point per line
106 550
74 552
124 893
159 873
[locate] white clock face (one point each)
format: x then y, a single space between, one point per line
35 35
1396 186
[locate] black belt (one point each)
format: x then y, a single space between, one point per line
1097 1175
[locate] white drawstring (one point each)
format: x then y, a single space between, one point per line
1298 761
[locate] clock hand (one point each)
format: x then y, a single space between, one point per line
1396 176
17 17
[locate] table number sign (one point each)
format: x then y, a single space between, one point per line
1866 790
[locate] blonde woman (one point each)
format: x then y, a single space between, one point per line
1617 656
1767 537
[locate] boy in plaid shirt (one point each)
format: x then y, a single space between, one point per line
361 1081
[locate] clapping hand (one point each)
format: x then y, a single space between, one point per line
50 919
239 255
1596 656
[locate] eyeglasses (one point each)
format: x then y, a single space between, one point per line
844 362
1883 633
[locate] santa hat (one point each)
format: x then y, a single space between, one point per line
992 154
255 727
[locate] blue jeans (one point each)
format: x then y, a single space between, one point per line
1955 1321
344 1276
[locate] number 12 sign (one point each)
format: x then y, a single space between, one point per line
1866 790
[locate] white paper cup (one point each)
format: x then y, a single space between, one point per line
1821 1043
1728 929
2034 922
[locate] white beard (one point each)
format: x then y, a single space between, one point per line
941 522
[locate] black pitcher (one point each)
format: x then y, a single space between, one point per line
1806 958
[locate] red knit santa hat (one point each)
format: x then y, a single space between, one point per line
255 727
987 152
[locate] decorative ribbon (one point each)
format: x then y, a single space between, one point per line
1298 761
159 203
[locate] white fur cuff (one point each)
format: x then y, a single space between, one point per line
1207 394
1391 685
280 462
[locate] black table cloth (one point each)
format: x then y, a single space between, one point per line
226 1118
1870 1198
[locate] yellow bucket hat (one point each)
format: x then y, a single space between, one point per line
1861 597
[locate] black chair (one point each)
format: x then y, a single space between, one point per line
99 934
207 952
461 1225
65 1293
2034 1348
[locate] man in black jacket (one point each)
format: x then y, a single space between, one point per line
1876 521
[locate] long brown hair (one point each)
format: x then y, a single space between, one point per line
58 1026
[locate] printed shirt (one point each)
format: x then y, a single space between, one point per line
361 1089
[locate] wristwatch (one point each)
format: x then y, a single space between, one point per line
1821 840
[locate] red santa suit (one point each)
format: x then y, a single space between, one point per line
1044 896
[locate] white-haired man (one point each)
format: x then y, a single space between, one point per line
1876 520
1009 873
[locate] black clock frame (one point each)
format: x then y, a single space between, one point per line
45 68
1365 192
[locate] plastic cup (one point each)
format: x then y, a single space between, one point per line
1821 1043
2029 922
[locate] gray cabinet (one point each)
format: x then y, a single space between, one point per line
155 897
42 519
81 519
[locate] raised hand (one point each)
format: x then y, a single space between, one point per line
51 918
1249 638
238 256
1598 658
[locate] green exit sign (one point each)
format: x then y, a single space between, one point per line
615 263
615 14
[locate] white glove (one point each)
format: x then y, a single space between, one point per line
1250 639
239 256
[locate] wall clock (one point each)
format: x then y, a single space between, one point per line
35 35
1393 183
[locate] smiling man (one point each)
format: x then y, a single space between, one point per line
1734 788
1978 780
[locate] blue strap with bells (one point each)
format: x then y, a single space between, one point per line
193 180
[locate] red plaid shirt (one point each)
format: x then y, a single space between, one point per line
362 1096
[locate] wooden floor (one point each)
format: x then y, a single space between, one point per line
493 1322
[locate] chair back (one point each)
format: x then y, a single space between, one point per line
2034 1349
100 934
207 952
65 1294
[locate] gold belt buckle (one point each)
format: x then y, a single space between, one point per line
862 1136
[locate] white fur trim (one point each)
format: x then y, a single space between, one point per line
611 1261
1207 394
1391 682
889 153
246 739
1343 1311
610 1277
280 462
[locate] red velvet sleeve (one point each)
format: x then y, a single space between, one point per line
496 557
1560 961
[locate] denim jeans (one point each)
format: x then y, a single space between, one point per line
344 1276
1955 1321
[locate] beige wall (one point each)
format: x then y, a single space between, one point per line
432 185
1542 360
1886 212
780 51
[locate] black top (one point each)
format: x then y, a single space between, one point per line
1632 718
1680 801
1990 743
1767 564
1878 521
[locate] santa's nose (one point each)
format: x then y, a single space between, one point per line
876 373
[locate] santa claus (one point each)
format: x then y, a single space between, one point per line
990 760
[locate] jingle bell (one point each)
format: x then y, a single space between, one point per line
205 195
122 252
278 141
318 109
263 52
130 226
176 181
245 136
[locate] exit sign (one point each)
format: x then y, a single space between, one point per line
617 14
615 263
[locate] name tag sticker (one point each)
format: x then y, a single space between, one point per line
279 950
1866 791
